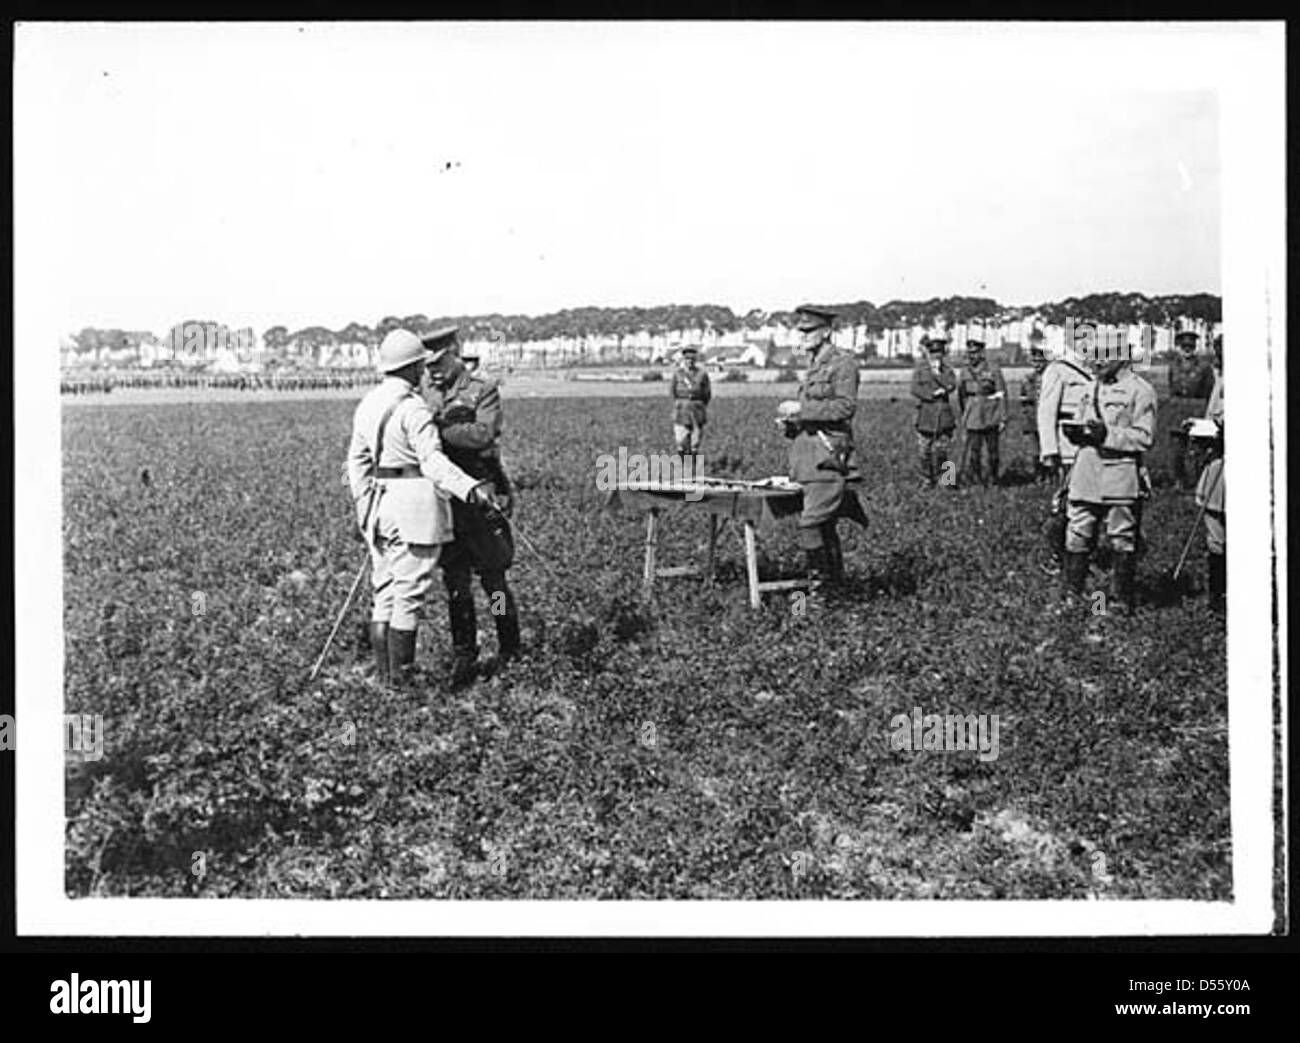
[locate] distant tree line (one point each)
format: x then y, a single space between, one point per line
1112 308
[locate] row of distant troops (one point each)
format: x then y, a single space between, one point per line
1092 423
219 381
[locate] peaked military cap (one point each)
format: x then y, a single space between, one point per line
811 318
1184 335
440 341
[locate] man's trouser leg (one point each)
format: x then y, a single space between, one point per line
1080 535
969 456
1122 533
1180 441
402 583
834 552
821 503
995 455
505 613
925 457
1216 546
458 580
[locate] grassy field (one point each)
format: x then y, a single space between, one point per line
692 749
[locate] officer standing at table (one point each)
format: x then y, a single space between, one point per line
823 457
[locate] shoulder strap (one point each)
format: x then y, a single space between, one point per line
383 425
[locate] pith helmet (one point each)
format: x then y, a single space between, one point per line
399 349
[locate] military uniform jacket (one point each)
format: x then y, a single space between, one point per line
417 502
934 416
982 394
469 419
1190 376
1209 488
828 398
1059 395
691 393
1108 473
1029 401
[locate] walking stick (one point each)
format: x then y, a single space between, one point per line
342 612
1182 558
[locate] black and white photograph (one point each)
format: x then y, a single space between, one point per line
689 478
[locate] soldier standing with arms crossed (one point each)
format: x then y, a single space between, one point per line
982 396
933 385
400 480
467 410
1114 425
823 458
691 393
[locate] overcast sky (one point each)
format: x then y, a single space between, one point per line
325 174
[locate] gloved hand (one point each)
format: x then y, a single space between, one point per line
485 497
1052 462
789 409
459 413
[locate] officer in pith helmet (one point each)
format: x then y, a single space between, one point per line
401 480
691 393
1114 426
823 457
467 410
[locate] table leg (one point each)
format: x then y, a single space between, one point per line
651 544
751 565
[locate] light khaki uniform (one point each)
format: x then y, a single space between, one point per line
1209 489
1059 393
1105 481
407 519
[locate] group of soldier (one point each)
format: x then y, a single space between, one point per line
430 492
1090 414
286 381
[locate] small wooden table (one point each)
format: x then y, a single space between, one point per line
750 503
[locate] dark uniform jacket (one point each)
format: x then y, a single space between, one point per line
1029 388
982 393
1191 376
690 393
823 448
934 416
468 415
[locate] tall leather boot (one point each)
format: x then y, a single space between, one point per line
1122 582
401 655
1074 574
463 625
834 555
507 621
1217 569
379 646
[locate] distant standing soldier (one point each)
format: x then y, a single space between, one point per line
467 409
1029 390
1191 379
1059 395
933 386
400 480
1209 494
691 393
823 457
1114 426
982 396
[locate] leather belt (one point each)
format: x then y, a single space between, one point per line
399 472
